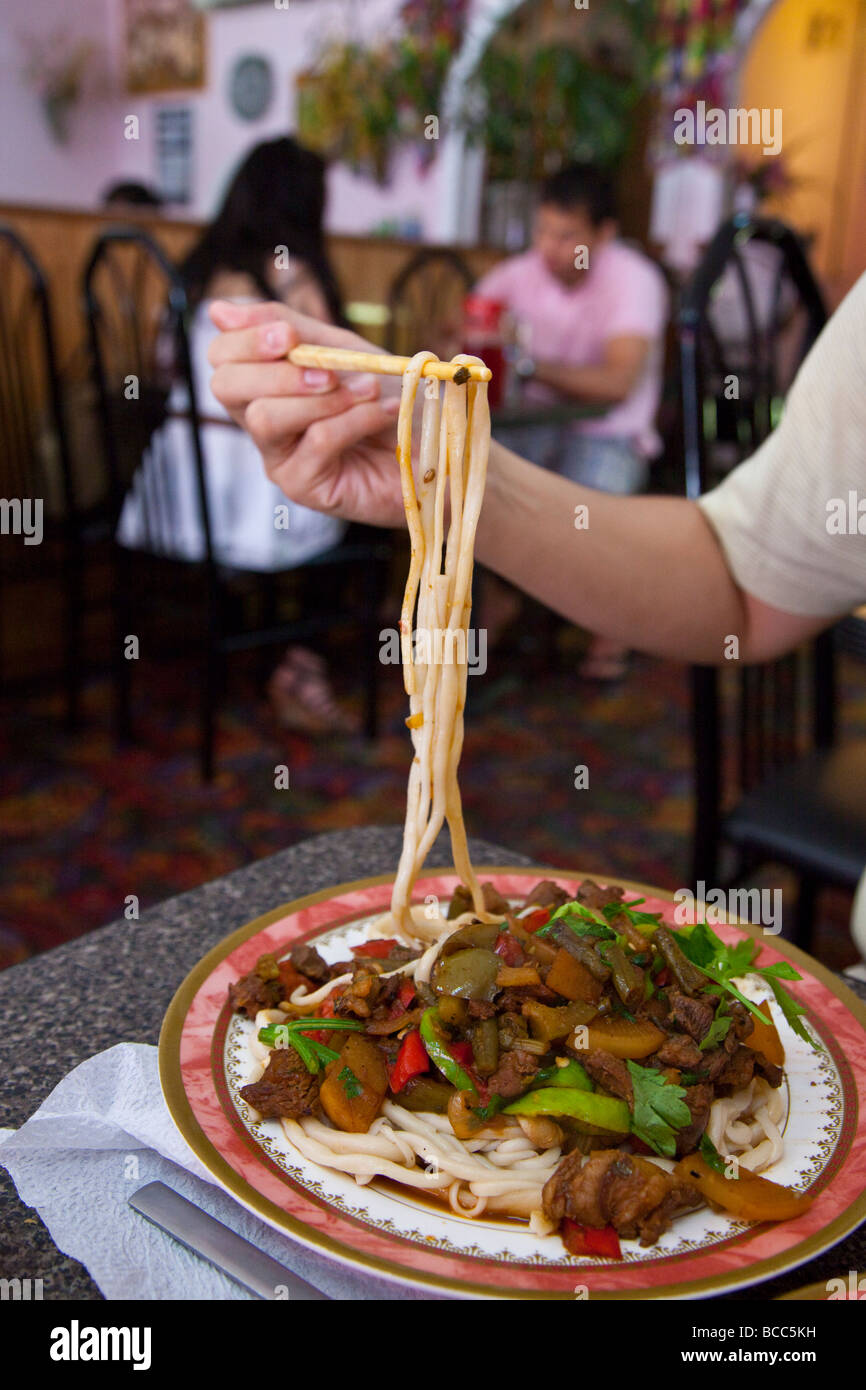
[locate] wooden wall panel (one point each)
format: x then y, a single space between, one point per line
61 240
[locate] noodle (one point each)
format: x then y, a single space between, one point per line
455 440
745 1125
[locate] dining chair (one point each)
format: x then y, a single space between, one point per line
771 783
138 326
36 474
425 303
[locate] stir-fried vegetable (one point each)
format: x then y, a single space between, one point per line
571 1075
469 974
764 1038
748 1196
590 1110
411 1060
623 1037
354 1107
440 1056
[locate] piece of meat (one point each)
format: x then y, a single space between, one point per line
557 1189
514 1073
481 1008
547 894
398 955
382 1027
286 1090
614 1188
307 961
738 1070
771 1073
511 1027
681 1198
361 995
593 895
493 899
654 1009
609 1072
699 1099
511 1000
260 989
679 1051
693 1015
742 1023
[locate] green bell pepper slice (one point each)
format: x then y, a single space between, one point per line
586 1107
439 1055
572 1075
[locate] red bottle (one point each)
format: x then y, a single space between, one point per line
483 337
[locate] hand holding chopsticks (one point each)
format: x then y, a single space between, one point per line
344 360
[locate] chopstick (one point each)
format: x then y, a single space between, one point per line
343 360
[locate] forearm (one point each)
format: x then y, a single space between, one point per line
600 384
646 571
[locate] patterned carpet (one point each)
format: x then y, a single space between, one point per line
84 827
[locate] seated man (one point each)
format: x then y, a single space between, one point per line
590 315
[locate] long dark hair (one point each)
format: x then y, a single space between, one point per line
275 198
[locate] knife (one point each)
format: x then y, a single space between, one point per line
206 1236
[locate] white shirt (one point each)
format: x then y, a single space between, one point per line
791 520
253 524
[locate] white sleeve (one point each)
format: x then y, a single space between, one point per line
791 520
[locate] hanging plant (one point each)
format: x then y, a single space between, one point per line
358 103
57 71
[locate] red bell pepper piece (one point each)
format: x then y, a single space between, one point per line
405 995
290 979
411 1061
376 948
590 1240
662 978
534 921
462 1053
327 1009
509 948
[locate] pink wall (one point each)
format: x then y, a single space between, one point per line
34 168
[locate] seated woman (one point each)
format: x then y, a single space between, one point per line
265 243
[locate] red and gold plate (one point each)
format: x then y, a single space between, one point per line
204 1060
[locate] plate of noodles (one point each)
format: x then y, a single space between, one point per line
505 1082
487 1214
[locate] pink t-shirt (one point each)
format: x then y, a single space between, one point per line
622 295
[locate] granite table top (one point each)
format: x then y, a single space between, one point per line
141 963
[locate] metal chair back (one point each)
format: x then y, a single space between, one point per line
425 303
745 322
34 452
137 316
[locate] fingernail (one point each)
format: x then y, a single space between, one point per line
317 378
363 385
275 337
392 405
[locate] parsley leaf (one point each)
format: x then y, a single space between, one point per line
718 1032
791 1008
722 964
582 920
351 1084
637 919
710 1154
659 1109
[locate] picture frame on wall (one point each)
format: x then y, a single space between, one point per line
165 43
